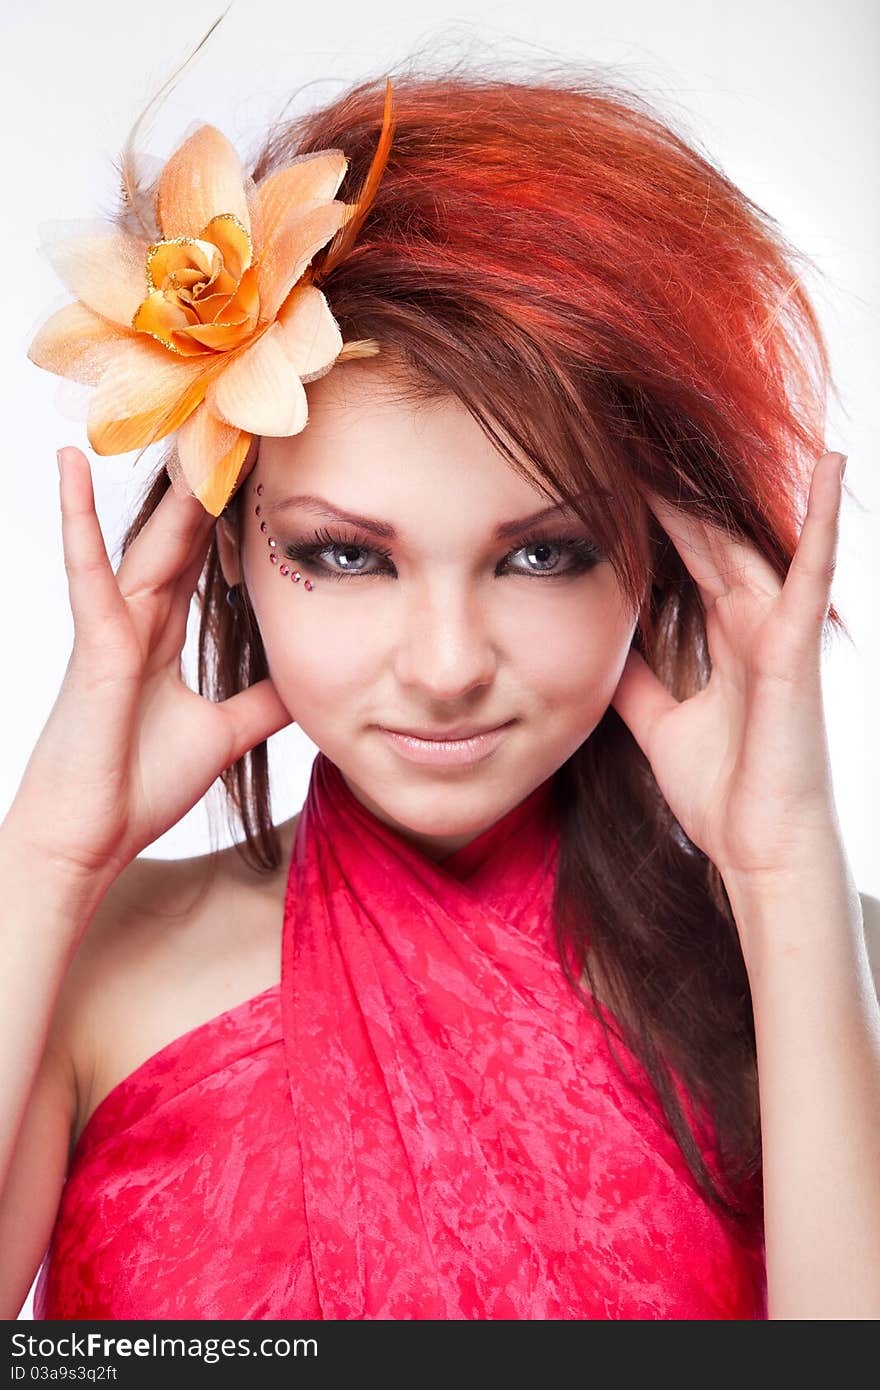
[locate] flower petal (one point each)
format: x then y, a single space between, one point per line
261 392
215 337
183 261
159 316
232 241
287 254
105 269
77 343
209 458
229 322
144 394
309 333
312 178
201 179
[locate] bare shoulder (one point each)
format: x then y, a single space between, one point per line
174 943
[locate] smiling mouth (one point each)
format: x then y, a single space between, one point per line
458 734
448 752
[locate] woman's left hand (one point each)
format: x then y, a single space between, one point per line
744 764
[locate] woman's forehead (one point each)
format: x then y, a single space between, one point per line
377 444
368 438
359 408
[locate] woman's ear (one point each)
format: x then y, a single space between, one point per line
227 522
228 551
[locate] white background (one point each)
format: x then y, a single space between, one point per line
784 96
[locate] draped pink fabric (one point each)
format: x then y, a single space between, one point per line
420 1120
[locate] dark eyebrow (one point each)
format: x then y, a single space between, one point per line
321 507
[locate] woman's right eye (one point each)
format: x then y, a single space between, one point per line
346 555
346 561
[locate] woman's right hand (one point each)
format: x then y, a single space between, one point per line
128 747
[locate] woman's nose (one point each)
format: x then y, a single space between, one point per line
445 644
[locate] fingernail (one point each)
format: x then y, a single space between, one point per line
843 459
58 457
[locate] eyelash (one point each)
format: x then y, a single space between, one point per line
305 552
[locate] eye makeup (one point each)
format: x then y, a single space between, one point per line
306 552
272 546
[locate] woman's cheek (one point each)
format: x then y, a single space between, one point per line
561 644
575 667
315 661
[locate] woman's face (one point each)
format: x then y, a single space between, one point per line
434 624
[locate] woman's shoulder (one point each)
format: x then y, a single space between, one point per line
175 943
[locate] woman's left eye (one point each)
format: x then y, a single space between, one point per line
583 555
542 556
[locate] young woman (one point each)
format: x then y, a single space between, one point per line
554 1000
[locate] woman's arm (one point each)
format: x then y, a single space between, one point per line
45 911
817 1024
128 748
744 764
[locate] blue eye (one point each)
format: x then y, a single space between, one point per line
582 552
307 552
351 551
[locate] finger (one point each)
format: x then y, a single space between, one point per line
724 561
178 530
183 591
94 595
252 716
690 540
641 699
740 562
806 592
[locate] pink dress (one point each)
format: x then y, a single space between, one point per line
420 1120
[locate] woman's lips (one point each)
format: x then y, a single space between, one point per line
446 752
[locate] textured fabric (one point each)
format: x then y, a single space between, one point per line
420 1120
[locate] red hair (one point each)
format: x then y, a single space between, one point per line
556 244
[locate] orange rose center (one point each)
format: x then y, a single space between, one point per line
203 292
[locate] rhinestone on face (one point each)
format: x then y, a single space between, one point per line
272 542
308 584
273 559
296 576
260 490
264 527
257 509
285 570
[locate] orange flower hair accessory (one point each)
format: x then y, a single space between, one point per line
210 323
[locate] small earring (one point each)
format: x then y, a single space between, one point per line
233 597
